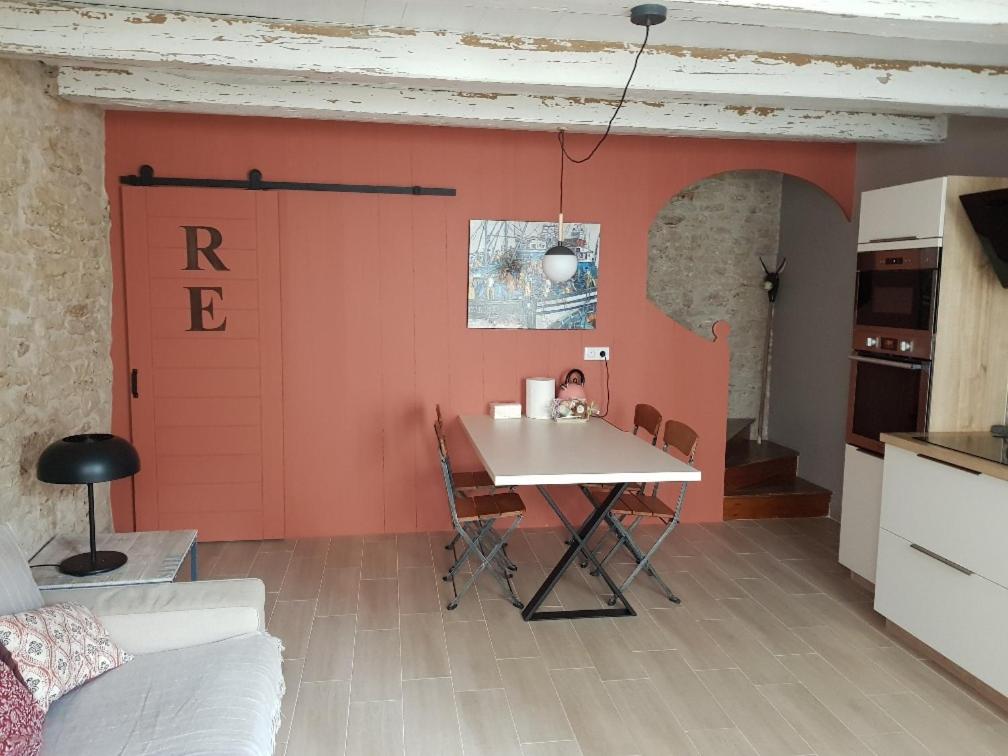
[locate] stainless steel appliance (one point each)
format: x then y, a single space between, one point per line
897 298
894 323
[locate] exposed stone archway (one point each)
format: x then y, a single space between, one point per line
704 250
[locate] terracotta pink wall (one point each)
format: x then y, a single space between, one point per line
498 174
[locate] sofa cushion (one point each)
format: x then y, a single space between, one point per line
18 592
7 660
57 648
20 717
219 698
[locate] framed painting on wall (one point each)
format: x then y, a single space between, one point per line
507 287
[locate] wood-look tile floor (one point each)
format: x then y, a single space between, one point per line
773 651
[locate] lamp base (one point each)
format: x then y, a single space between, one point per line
81 565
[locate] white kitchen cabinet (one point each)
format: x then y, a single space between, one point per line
969 370
962 616
902 213
941 571
859 517
952 511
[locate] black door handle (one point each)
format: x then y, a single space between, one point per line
134 383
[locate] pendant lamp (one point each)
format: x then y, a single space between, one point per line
560 263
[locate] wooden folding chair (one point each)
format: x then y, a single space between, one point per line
476 482
474 517
469 480
645 418
638 505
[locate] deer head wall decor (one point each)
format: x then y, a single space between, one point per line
771 278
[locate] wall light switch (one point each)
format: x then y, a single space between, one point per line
597 353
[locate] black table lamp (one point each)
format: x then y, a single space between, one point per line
89 458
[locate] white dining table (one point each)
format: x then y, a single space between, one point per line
541 453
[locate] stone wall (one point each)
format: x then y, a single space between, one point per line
55 288
704 265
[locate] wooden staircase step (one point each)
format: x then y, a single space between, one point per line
795 498
752 464
738 429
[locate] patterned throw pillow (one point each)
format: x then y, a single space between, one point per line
58 648
21 717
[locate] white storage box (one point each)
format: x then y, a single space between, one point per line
505 410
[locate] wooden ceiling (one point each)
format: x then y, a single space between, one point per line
880 70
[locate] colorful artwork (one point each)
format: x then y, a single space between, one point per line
507 288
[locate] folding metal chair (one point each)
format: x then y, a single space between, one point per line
648 419
645 418
469 483
637 506
474 517
465 481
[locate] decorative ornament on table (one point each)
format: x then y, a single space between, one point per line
572 410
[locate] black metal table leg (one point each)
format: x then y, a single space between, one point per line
586 550
581 536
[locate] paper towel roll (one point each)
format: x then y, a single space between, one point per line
539 394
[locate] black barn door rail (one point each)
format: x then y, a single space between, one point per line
146 177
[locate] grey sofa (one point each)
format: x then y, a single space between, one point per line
206 678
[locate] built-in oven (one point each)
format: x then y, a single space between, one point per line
894 326
896 302
887 395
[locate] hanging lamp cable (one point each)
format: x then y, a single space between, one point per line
622 100
562 161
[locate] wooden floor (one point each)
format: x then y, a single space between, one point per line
773 651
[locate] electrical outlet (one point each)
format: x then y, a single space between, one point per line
597 353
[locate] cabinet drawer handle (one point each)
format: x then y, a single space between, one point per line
948 464
940 558
892 239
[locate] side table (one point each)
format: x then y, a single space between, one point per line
153 557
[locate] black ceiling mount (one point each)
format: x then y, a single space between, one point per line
650 14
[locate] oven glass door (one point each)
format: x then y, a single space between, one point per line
887 396
896 298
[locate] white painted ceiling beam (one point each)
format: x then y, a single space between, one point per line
943 11
951 31
196 91
406 57
975 21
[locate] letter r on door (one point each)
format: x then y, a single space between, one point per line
209 251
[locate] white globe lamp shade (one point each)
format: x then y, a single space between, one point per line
559 263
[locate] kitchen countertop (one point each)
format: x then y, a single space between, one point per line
913 443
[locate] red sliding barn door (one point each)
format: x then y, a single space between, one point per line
203 318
